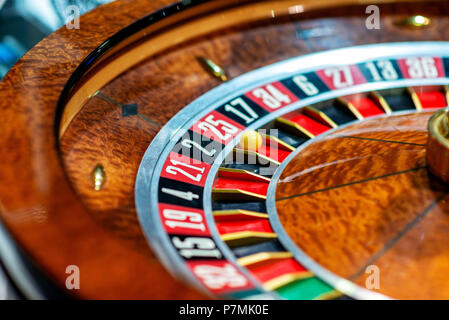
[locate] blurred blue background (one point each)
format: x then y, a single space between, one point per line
23 23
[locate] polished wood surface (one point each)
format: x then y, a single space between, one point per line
372 202
48 205
38 204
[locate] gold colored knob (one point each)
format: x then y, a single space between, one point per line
438 145
98 176
416 21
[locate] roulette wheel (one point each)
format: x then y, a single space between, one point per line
230 149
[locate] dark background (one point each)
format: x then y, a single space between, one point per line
23 23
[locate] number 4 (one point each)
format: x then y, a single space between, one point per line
189 196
